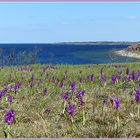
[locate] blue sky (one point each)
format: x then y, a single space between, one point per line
46 22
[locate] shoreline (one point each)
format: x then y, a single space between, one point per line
127 54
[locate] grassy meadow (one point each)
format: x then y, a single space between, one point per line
86 101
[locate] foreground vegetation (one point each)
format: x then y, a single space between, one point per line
70 101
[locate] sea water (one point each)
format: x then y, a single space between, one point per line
71 53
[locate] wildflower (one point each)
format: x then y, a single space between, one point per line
17 85
61 84
133 75
80 94
104 79
64 95
73 86
137 95
3 92
5 85
71 109
88 77
92 77
125 78
39 81
44 69
45 91
138 73
31 84
47 75
0 95
32 78
118 77
116 103
81 102
114 79
80 80
9 98
127 71
120 72
9 116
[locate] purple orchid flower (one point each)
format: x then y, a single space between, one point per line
116 103
71 109
9 116
137 95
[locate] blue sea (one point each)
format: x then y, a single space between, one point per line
71 53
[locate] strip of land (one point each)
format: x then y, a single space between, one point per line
128 54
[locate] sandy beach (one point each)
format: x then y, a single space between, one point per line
127 54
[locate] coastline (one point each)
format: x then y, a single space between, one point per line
127 54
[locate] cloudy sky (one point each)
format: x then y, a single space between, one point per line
45 22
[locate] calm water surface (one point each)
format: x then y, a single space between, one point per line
72 54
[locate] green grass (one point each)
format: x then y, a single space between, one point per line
100 120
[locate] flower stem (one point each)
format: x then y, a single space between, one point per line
138 110
118 120
72 123
84 119
64 107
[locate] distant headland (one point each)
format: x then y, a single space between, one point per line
99 43
132 51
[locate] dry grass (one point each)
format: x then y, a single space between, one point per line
101 120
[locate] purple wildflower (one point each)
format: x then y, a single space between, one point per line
118 77
71 109
9 98
80 80
31 84
137 95
116 103
88 77
138 73
114 79
4 85
73 86
92 77
120 72
9 116
80 94
127 71
17 85
3 92
64 95
104 79
47 75
81 102
32 78
45 91
133 75
61 84
39 81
